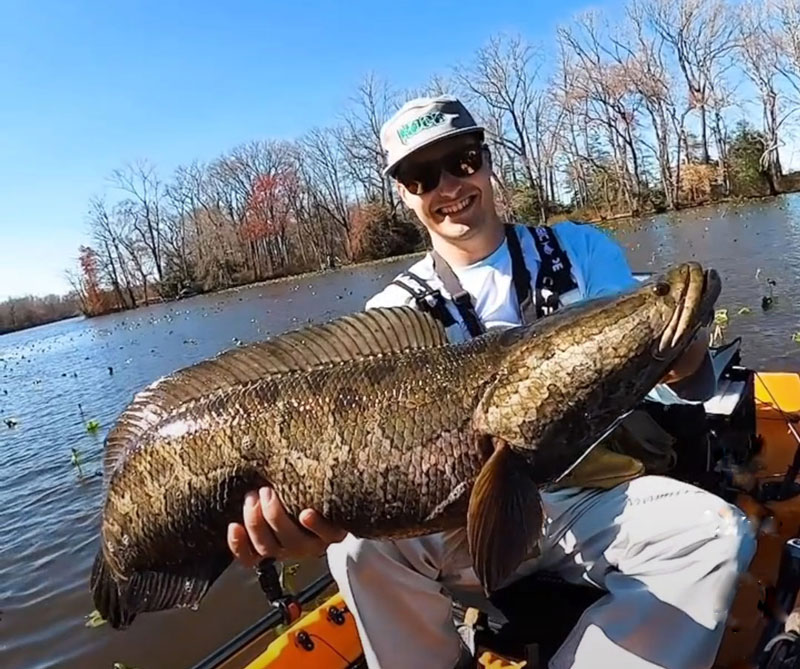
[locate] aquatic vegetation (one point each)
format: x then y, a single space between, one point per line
75 459
92 425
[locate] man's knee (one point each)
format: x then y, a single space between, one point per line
731 537
355 559
373 560
736 535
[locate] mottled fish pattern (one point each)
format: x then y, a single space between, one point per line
381 424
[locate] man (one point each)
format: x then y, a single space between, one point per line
668 554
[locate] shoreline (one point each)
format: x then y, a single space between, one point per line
600 222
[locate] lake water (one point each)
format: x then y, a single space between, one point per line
56 377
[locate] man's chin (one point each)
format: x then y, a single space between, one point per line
458 229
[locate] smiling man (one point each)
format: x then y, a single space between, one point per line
668 554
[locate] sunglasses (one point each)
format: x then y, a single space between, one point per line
423 177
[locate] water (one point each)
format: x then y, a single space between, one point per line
49 515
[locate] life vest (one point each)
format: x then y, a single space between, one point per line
553 281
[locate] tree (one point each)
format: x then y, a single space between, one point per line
94 302
144 206
502 81
762 60
376 233
748 173
610 101
702 35
110 259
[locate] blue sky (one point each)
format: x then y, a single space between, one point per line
88 86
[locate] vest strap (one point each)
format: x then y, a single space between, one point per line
521 277
555 270
461 298
427 299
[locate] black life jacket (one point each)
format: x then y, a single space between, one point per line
553 280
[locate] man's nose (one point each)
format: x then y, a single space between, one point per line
448 184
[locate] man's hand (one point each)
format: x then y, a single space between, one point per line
268 531
690 361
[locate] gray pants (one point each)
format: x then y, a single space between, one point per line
668 554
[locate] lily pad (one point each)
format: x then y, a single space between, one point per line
92 425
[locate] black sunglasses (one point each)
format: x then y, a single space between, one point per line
423 177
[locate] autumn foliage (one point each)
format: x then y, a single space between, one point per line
376 233
94 300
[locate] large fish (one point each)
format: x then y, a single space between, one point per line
379 423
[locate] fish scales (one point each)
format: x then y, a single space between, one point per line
381 424
396 434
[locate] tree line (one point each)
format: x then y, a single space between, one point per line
23 312
682 102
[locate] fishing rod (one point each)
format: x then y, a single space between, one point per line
274 618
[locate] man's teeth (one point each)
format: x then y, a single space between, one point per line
458 206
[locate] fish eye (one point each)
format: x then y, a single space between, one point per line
662 288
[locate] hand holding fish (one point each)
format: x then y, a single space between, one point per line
688 363
269 531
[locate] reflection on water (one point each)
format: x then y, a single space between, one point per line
51 375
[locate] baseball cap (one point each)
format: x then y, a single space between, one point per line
423 121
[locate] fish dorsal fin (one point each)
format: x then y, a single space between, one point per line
376 332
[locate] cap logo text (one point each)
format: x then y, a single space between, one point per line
424 122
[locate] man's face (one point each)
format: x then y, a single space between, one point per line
458 207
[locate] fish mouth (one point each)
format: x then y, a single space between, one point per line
695 292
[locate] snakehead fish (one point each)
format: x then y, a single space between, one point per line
382 425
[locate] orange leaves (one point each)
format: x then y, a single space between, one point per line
95 299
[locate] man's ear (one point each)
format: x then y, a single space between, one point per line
402 191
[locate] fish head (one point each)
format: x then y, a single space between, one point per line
679 302
566 378
561 387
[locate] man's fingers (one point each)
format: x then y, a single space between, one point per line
316 523
293 538
259 532
240 545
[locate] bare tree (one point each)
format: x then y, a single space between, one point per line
762 60
502 79
787 15
107 234
648 71
141 183
611 102
323 164
702 35
359 140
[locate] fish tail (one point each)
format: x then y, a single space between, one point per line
107 596
119 601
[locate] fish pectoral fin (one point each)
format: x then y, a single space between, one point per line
119 601
504 518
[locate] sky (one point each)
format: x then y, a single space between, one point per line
86 87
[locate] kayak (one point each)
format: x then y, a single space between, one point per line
752 420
